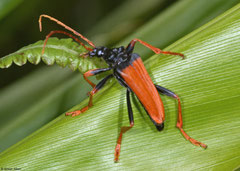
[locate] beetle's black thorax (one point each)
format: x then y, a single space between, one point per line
113 57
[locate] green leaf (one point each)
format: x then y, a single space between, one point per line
208 84
64 52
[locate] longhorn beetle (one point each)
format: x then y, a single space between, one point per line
130 72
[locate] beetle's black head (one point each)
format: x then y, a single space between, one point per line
112 56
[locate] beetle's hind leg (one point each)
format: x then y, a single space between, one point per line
179 121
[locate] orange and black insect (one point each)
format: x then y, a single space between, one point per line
130 72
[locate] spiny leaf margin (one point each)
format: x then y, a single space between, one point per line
64 52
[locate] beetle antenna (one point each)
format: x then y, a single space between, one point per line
63 32
65 26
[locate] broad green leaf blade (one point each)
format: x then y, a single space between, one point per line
208 84
63 52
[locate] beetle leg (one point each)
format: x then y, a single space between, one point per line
131 45
94 91
124 128
93 72
179 122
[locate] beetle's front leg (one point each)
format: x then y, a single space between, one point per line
131 45
91 93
